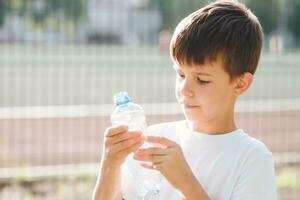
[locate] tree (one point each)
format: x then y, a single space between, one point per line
294 19
267 12
72 10
173 11
2 14
41 10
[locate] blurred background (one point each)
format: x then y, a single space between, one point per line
61 61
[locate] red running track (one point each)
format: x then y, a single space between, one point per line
26 142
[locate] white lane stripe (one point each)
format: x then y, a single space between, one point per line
37 112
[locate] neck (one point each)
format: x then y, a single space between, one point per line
215 126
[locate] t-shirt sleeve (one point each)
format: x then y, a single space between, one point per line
257 179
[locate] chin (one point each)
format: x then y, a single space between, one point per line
192 116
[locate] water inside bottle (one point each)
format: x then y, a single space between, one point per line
134 122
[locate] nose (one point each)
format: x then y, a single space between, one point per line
186 89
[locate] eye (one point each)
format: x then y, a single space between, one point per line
180 74
202 82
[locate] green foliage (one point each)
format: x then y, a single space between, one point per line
173 11
16 6
294 19
40 10
72 9
2 12
267 12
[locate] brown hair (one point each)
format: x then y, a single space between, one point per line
225 28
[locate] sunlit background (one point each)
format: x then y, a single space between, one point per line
61 61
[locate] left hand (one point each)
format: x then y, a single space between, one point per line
169 160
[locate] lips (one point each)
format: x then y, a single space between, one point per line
189 106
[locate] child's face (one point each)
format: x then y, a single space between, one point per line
205 92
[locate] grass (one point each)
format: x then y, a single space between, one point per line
289 178
80 186
288 182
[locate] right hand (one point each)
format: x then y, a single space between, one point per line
119 143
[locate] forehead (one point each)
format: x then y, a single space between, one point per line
211 67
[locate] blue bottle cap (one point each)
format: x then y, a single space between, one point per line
121 98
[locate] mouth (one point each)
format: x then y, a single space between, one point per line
188 106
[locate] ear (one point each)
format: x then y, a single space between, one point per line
243 82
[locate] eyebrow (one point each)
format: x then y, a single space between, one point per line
204 74
198 73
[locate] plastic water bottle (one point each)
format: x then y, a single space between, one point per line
146 182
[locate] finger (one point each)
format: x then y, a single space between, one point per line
132 148
125 136
114 130
152 150
127 143
151 158
151 166
122 137
161 140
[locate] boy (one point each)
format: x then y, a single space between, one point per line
215 52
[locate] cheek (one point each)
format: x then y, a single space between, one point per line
211 98
177 90
205 95
220 98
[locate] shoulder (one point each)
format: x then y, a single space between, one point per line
254 147
254 156
256 174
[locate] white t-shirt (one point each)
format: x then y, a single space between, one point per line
231 166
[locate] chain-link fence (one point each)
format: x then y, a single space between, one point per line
62 61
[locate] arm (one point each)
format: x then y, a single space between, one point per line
108 183
118 144
193 190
